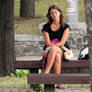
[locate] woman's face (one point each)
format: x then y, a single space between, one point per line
55 14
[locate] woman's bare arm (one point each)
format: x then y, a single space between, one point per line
47 42
64 38
46 38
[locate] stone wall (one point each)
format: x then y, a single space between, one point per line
32 45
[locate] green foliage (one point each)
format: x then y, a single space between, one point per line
20 73
36 88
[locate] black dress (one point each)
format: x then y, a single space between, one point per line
56 34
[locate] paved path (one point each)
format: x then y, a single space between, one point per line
56 90
73 90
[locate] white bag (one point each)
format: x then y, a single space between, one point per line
68 56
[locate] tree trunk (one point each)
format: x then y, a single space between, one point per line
7 50
88 7
27 8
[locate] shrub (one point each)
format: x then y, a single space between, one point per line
20 73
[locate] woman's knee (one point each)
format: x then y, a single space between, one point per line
58 55
58 58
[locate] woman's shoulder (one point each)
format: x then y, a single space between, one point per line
66 25
46 27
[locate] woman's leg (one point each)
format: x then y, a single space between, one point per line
51 58
57 67
57 64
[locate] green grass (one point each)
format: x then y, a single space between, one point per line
28 26
16 8
81 11
41 6
31 25
78 85
13 82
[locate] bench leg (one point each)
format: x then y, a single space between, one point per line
33 71
49 88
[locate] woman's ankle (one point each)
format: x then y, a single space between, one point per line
47 71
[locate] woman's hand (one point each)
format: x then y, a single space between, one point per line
45 53
66 50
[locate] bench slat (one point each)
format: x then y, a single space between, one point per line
27 64
58 78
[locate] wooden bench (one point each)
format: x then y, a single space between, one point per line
30 64
50 79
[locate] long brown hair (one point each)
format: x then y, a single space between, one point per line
61 15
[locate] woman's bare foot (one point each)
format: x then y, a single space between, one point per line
46 73
61 85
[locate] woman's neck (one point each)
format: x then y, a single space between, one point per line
56 22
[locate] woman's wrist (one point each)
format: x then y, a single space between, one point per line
47 49
48 44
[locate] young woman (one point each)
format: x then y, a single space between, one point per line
55 28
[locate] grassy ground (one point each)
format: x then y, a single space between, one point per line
13 82
31 26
